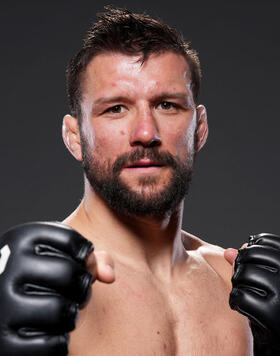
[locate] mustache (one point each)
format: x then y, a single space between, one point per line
165 158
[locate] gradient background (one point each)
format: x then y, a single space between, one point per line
235 190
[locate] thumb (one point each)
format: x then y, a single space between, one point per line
230 254
101 265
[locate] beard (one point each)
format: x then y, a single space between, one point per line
104 178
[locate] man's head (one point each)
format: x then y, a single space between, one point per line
120 31
133 90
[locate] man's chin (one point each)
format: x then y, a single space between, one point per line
145 201
147 186
146 193
141 201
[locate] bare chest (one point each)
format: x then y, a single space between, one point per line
136 316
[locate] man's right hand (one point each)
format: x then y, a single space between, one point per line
43 283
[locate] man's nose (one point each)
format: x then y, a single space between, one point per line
145 131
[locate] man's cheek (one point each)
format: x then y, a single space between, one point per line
179 142
108 146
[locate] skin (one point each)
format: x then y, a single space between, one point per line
159 290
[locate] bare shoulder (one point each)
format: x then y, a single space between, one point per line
212 254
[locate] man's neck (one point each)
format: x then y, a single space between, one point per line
146 243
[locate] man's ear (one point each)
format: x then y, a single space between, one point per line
202 127
71 136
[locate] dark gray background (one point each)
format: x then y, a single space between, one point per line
235 190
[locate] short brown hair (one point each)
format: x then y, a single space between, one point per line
119 30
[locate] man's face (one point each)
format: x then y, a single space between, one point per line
138 131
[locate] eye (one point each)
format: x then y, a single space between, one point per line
117 109
166 105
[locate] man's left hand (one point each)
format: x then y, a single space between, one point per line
256 286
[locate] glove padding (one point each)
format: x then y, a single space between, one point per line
256 290
42 287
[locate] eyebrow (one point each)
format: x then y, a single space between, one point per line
108 100
156 98
168 95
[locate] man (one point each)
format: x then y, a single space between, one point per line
136 126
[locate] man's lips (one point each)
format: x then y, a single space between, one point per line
144 166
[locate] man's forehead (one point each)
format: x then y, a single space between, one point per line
114 68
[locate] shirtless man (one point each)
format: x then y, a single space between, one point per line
136 126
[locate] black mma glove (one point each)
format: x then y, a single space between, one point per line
256 291
43 282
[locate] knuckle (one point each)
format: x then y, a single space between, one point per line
83 295
70 315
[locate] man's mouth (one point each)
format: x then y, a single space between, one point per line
144 163
144 166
